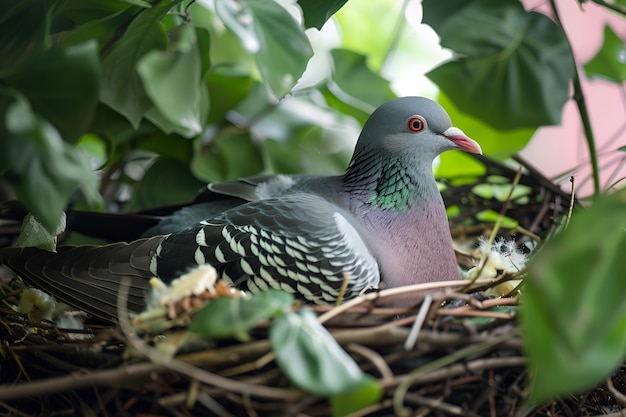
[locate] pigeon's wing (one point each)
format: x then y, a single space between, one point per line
299 243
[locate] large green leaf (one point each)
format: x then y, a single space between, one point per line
102 29
63 86
499 144
171 79
350 77
610 61
227 90
357 22
311 358
317 12
44 169
122 88
512 68
23 27
574 308
231 155
80 12
267 30
305 152
234 317
167 181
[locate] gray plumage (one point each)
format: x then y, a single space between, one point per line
382 223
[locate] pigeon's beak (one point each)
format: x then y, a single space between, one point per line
462 141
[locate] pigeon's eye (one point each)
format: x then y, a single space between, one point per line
416 124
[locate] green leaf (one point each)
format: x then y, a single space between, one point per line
23 28
500 191
234 317
44 169
499 144
513 67
574 309
102 29
458 163
63 86
231 155
164 123
167 181
317 12
172 80
122 88
34 234
282 157
365 394
490 216
311 358
356 25
227 90
351 74
610 61
267 30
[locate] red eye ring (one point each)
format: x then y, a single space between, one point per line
416 124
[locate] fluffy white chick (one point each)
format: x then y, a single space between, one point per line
503 257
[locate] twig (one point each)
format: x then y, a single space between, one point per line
418 323
403 387
619 396
496 226
438 404
187 369
571 203
397 34
342 290
375 358
458 369
426 286
371 409
79 380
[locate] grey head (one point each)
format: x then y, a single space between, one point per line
416 125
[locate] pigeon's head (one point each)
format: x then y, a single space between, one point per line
413 127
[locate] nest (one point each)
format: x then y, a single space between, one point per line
454 353
464 360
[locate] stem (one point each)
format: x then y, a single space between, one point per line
395 38
610 6
579 98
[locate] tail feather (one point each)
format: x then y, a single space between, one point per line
88 277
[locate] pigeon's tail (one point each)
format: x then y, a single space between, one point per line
88 277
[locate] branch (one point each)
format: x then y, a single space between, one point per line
579 97
611 6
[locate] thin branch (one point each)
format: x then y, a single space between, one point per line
611 6
579 98
187 369
374 357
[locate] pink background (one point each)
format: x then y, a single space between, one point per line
557 149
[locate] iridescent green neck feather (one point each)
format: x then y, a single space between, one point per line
389 186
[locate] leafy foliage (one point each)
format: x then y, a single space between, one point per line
308 354
227 317
133 75
45 169
35 235
610 61
305 351
574 313
520 60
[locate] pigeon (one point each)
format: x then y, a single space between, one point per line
382 224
